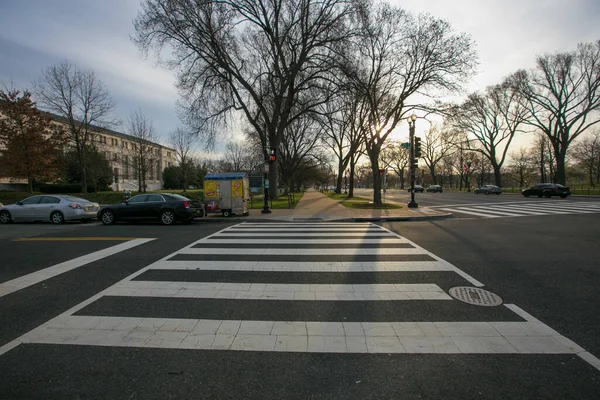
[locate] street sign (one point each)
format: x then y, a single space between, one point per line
266 183
267 167
405 145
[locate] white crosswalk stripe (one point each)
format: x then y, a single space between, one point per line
381 323
524 209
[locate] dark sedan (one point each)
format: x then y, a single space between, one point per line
167 208
434 189
547 190
418 188
487 189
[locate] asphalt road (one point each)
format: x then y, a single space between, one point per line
452 199
544 264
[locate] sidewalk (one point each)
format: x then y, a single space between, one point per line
315 206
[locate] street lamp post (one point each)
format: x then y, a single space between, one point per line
411 129
266 209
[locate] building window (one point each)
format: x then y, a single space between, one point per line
116 175
114 156
151 169
168 154
126 167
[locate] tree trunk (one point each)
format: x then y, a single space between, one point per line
433 175
30 185
273 193
351 183
497 175
561 175
376 178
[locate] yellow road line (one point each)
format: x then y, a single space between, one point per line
68 239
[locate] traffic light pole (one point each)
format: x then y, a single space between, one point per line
411 127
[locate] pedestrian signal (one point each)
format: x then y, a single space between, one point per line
272 157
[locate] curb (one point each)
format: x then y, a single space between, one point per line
317 220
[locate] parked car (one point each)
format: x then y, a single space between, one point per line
167 208
547 190
435 188
418 188
487 189
54 208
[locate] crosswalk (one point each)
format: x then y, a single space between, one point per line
301 287
523 209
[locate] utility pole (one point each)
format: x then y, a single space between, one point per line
413 160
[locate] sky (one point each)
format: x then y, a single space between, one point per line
95 34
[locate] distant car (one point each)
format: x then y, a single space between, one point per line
435 188
418 188
487 189
547 190
54 208
167 208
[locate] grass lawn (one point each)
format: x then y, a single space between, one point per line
360 202
257 202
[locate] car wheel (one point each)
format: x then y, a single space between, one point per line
167 217
57 217
539 195
108 217
563 196
547 195
5 217
487 193
226 213
526 194
497 192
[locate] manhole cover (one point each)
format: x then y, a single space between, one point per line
475 296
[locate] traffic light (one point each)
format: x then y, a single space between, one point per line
417 147
272 157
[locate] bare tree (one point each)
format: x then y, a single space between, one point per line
396 157
183 141
265 58
142 150
438 144
79 97
587 153
563 96
240 155
522 167
493 118
395 57
300 152
543 156
340 121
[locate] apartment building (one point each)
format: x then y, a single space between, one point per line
118 148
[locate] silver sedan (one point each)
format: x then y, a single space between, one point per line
54 208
